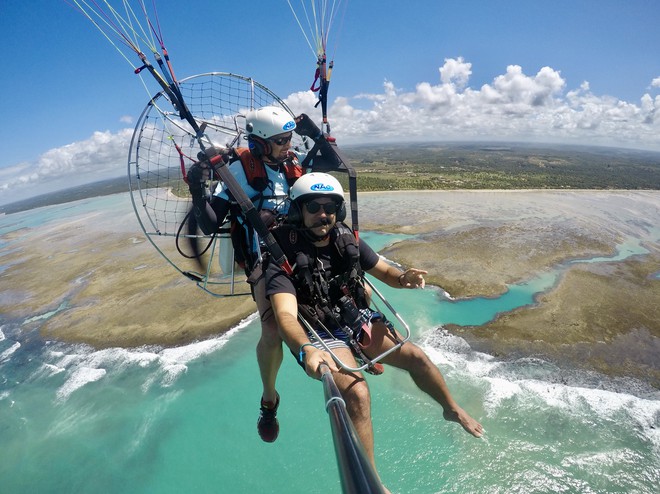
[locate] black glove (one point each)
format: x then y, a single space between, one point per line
305 126
201 171
197 176
211 151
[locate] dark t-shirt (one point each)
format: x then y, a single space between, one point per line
277 281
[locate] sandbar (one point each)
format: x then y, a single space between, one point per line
95 279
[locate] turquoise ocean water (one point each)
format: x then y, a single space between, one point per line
183 420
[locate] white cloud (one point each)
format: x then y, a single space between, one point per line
126 119
302 102
517 88
103 155
455 71
515 106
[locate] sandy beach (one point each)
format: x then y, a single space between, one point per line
97 280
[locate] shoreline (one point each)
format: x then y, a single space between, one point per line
107 287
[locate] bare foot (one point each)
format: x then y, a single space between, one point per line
468 423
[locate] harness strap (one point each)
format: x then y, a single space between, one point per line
257 177
255 169
333 298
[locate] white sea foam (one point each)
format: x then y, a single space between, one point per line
52 370
446 349
2 335
150 420
84 365
537 384
78 378
175 361
63 360
6 355
622 459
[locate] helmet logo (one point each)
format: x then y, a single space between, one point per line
289 125
321 187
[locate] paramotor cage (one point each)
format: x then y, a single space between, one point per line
163 146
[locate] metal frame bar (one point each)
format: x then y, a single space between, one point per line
356 472
378 358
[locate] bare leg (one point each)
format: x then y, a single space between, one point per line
425 374
355 392
269 347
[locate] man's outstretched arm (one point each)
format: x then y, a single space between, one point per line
394 277
285 307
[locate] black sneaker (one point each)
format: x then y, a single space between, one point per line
267 425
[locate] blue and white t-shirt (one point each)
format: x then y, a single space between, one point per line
274 197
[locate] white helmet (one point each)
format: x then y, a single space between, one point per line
313 185
316 184
268 121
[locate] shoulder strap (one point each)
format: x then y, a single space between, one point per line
299 254
253 168
290 241
292 168
349 276
347 246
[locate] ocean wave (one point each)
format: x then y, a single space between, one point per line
6 355
533 385
77 379
84 365
453 351
150 420
50 370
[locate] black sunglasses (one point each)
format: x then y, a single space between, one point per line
281 141
329 207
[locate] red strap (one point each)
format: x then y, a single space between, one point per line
316 78
181 163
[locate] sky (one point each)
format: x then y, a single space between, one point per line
561 71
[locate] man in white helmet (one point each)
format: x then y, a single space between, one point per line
265 171
327 290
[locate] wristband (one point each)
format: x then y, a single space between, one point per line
301 354
401 276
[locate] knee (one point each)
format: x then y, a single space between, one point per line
415 359
269 332
358 400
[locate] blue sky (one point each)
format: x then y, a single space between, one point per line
575 71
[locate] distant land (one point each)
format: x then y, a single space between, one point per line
92 189
454 166
503 166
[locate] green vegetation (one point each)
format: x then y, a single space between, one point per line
444 166
473 166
